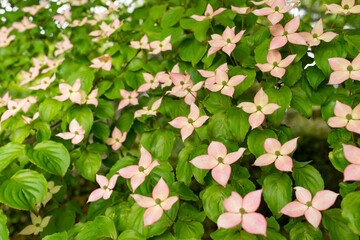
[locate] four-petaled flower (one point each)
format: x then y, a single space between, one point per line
227 41
129 98
62 46
224 84
308 206
37 226
345 116
106 188
259 108
52 189
13 107
24 25
275 11
241 10
70 92
149 110
209 13
242 211
210 75
116 140
275 152
219 161
188 124
162 46
138 173
347 7
352 171
151 82
104 62
276 65
28 120
44 83
317 34
91 98
142 44
156 205
343 69
76 133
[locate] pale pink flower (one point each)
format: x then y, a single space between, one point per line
151 82
128 98
308 206
44 83
162 46
345 116
91 98
165 79
275 11
241 10
5 40
209 13
104 62
224 84
52 64
61 18
13 108
317 34
278 154
111 8
62 46
116 140
184 87
189 123
4 31
148 111
226 42
268 2
138 173
32 10
78 23
343 69
4 100
28 120
106 30
275 65
70 92
210 75
76 133
156 205
242 211
352 171
106 188
39 63
219 161
347 7
284 34
28 101
259 108
24 25
78 2
29 76
142 44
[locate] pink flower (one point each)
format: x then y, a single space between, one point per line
188 124
308 206
13 107
224 84
137 173
103 62
165 79
219 161
91 98
210 75
209 13
149 111
28 101
242 210
63 45
343 69
128 98
112 8
345 116
52 64
241 10
277 153
268 2
78 23
347 7
32 10
284 34
157 204
28 120
106 30
116 140
61 18
5 40
44 83
76 133
227 41
259 108
24 25
4 100
29 76
352 171
162 46
150 82
275 65
142 44
317 34
106 188
78 2
184 87
70 92
275 12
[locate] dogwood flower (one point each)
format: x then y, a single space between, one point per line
209 13
4 100
242 211
78 23
284 34
61 18
226 42
78 2
106 188
106 30
269 2
259 108
352 171
156 205
6 40
162 46
347 7
151 82
52 64
148 111
128 98
275 65
165 79
37 226
241 10
28 101
278 154
142 44
224 84
308 206
24 25
104 62
181 82
345 116
189 123
29 76
317 34
32 10
111 8
210 75
343 69
219 161
28 120
116 140
70 92
275 11
62 46
76 133
52 189
13 108
138 173
91 98
44 83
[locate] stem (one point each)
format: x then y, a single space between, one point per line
169 217
211 26
242 22
127 64
332 25
350 90
232 55
198 136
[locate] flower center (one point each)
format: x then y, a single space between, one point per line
346 7
220 160
71 91
158 201
275 64
45 82
117 140
224 83
315 35
348 117
76 132
277 9
129 97
13 108
242 211
151 81
309 204
258 108
207 15
277 153
141 169
105 187
161 45
350 68
182 83
190 121
228 40
286 33
37 225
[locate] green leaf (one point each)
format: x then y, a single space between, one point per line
216 102
43 131
281 97
353 40
188 230
10 152
315 76
189 212
172 16
88 164
277 191
301 102
83 115
238 123
183 168
159 144
49 109
256 140
350 211
50 156
131 235
23 190
336 225
191 51
218 126
225 234
293 74
199 174
309 178
125 121
184 192
338 159
261 51
104 110
86 76
101 130
212 200
62 219
102 226
4 232
304 231
56 236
